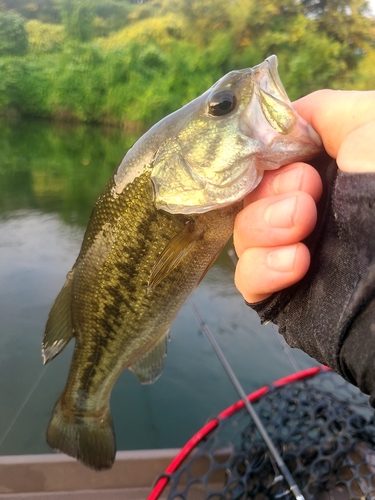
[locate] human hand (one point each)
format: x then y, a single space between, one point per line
281 211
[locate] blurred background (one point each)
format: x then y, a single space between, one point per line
80 81
126 63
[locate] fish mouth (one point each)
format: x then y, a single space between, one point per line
267 78
271 118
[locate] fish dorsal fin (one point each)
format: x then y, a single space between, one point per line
173 253
59 328
149 367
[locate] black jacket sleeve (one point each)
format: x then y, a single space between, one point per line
330 313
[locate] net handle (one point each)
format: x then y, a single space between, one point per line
274 452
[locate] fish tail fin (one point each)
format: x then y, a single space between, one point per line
89 439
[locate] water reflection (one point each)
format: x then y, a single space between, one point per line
57 167
50 177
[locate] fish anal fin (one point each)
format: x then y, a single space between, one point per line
88 438
59 328
150 366
173 254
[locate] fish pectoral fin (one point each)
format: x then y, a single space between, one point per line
59 328
149 367
173 254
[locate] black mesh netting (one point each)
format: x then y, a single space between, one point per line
323 428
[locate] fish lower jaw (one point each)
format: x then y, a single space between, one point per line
280 154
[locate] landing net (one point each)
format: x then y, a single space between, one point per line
322 426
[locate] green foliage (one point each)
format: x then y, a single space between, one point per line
44 37
8 81
44 10
25 83
111 15
79 86
120 62
77 17
363 77
13 37
344 21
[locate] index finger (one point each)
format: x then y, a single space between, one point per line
334 114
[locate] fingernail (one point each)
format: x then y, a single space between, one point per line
282 259
288 180
281 213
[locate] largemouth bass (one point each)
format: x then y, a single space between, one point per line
159 224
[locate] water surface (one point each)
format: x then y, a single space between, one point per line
50 177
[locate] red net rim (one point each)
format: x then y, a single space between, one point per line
162 482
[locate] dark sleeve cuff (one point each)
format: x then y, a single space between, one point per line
330 313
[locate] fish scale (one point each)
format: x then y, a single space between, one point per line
157 227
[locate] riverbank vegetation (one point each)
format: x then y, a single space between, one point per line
126 63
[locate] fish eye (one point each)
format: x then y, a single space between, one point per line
221 103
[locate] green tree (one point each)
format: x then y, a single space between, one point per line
44 37
345 21
363 77
43 10
13 36
155 56
111 15
77 17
